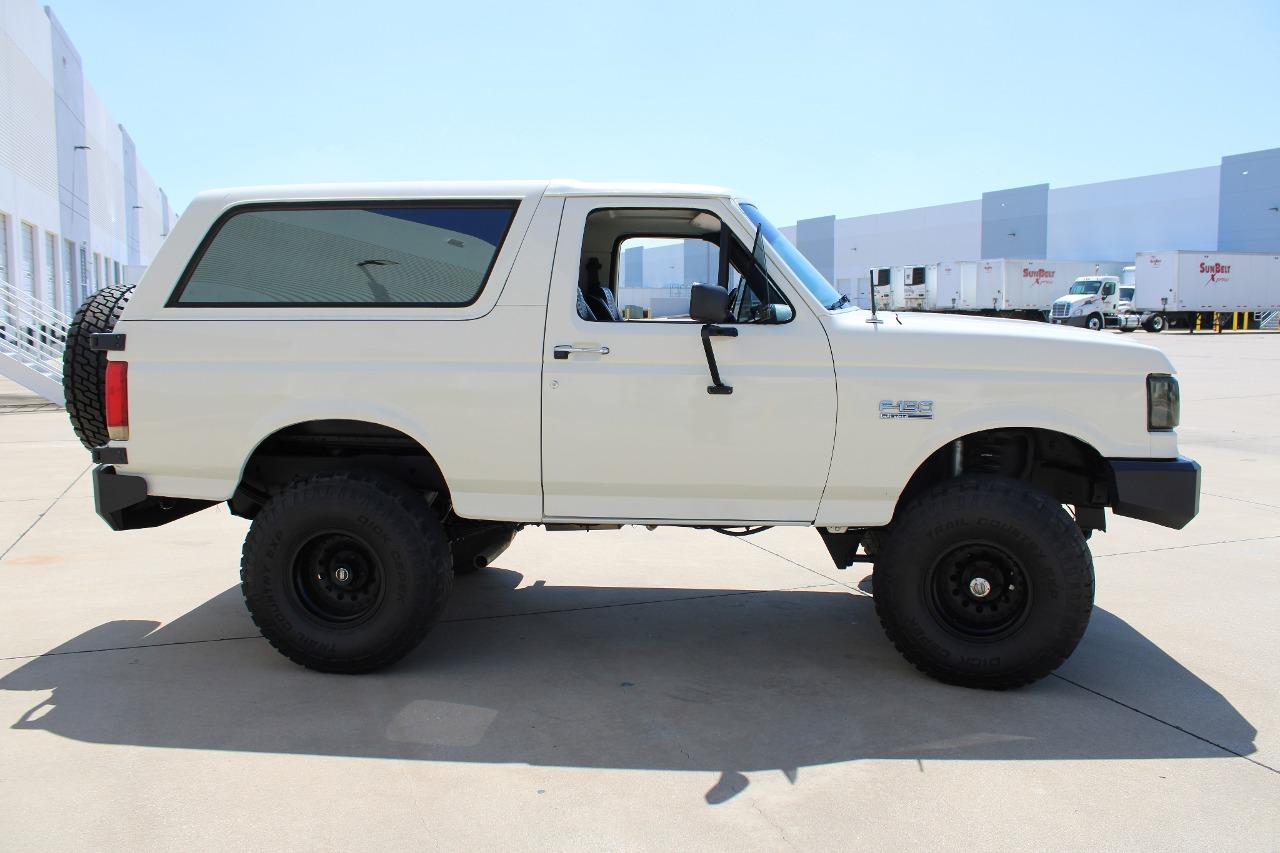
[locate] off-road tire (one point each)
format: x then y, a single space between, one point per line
84 371
1049 558
394 531
1095 323
476 544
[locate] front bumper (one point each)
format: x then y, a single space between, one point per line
121 500
1080 320
1161 491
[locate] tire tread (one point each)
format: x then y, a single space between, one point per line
1059 528
354 487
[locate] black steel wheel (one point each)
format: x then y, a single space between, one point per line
984 581
338 578
346 572
979 591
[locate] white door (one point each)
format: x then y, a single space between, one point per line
633 434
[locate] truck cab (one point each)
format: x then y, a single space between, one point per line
1090 303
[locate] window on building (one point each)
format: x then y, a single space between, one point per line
4 249
51 268
97 272
437 253
28 239
84 274
8 317
116 266
69 303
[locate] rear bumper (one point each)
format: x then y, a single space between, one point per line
1161 491
121 500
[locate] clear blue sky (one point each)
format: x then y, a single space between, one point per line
809 108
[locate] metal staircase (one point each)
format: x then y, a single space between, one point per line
32 335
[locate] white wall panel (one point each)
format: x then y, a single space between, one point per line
1118 219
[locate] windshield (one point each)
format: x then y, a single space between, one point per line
1089 287
798 263
1126 294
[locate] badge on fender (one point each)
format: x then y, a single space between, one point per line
912 410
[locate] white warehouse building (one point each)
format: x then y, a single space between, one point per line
76 206
1230 207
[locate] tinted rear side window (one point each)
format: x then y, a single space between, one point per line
410 254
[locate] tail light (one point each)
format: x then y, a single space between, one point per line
117 388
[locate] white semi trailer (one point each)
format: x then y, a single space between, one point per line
1181 285
1006 287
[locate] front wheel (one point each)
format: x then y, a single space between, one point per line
345 572
984 582
1095 322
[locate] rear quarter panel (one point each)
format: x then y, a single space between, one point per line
207 385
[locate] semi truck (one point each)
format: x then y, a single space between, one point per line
1004 287
1172 289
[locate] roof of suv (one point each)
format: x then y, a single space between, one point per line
460 189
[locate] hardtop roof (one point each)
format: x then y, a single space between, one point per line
459 189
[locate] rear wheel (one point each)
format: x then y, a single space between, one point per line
345 572
1154 323
984 582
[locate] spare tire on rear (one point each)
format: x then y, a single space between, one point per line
84 371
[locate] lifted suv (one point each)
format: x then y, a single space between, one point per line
390 380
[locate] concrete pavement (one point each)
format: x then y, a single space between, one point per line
639 689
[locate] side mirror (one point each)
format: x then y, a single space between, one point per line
708 303
778 312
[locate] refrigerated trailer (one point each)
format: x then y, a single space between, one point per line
1180 285
907 288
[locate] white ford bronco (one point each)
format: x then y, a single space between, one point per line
391 380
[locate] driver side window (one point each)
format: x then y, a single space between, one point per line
656 274
641 264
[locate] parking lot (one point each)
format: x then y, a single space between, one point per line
635 689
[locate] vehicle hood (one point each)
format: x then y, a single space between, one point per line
956 341
1076 300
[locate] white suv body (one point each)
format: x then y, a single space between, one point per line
523 437
835 417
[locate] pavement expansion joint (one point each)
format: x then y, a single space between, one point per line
1184 547
1174 726
851 587
132 648
41 516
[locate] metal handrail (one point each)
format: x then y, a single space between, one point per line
32 332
